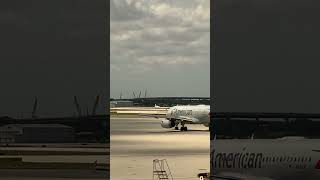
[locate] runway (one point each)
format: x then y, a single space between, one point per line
136 142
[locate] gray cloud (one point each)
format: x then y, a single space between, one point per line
152 41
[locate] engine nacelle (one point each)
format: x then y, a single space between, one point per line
165 123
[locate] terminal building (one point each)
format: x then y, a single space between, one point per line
36 133
121 103
160 101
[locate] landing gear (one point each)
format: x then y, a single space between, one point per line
183 129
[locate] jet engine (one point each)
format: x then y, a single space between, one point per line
165 123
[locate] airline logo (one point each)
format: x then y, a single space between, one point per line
245 159
236 160
178 112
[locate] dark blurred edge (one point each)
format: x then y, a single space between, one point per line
212 45
107 30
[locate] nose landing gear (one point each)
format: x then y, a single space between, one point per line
183 128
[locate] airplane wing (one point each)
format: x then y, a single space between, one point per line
153 115
140 111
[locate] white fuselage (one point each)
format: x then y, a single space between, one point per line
275 159
198 113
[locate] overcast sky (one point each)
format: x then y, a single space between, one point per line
162 46
53 50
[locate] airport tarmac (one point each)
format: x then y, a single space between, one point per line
136 142
52 174
53 154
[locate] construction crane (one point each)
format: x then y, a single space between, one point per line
34 110
94 109
95 106
76 103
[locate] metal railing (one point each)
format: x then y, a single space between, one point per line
161 170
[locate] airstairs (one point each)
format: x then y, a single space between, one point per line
161 170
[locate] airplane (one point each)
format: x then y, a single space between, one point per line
171 117
190 114
277 159
281 158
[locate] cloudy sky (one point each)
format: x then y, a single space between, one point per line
162 46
